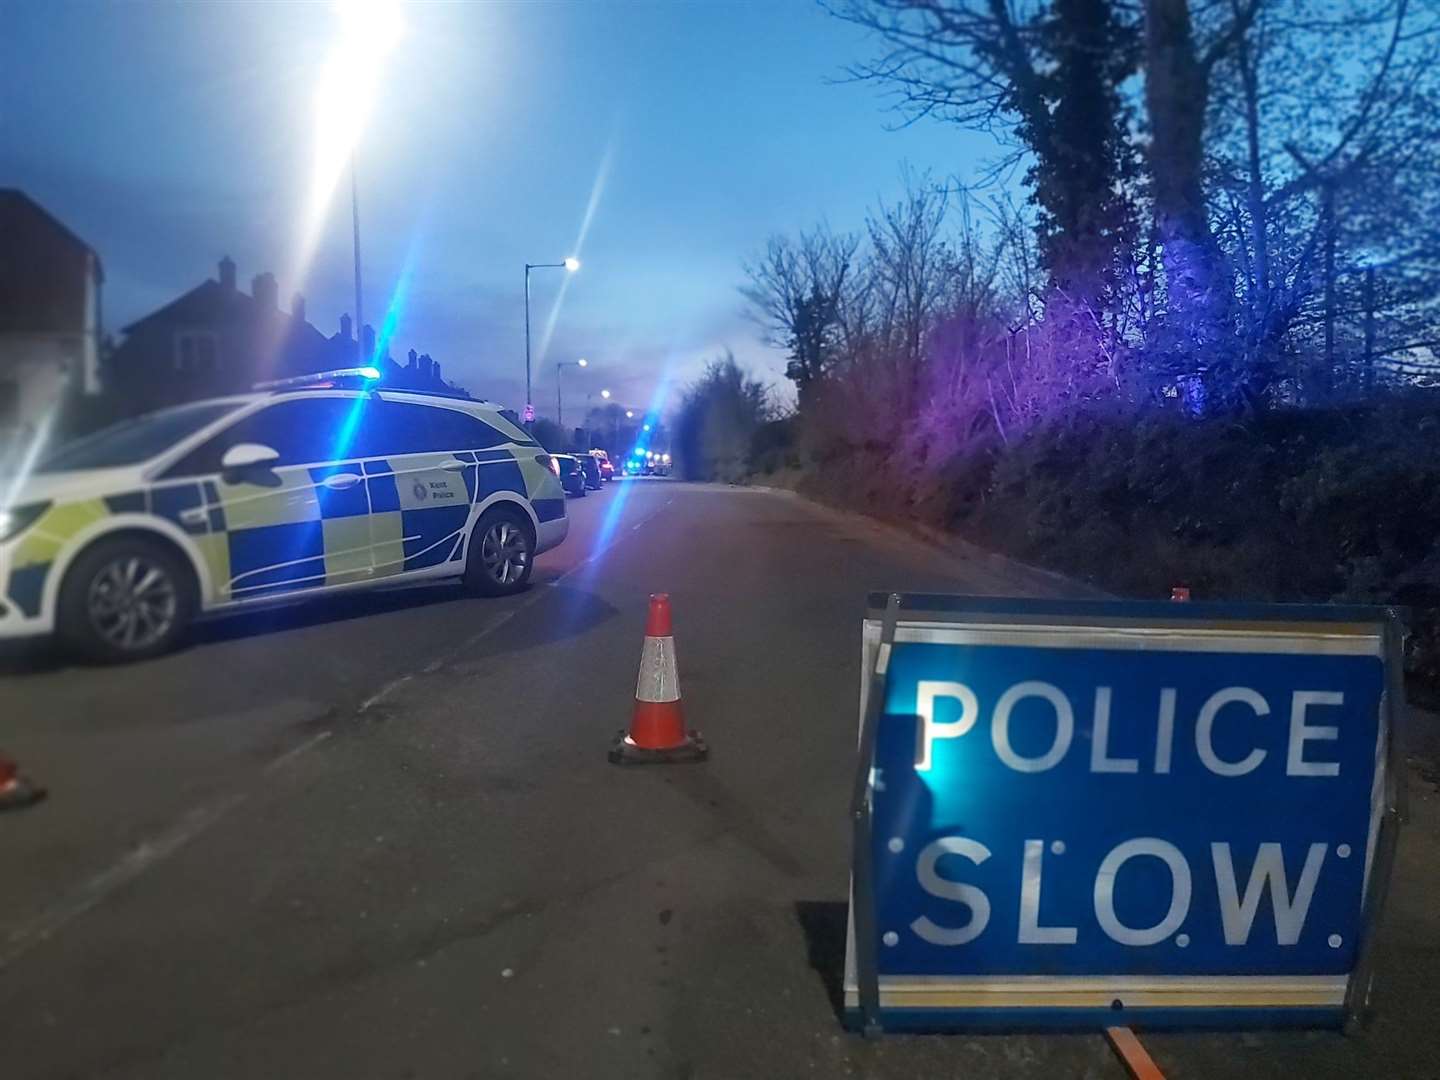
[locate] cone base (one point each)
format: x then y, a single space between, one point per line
690 749
19 793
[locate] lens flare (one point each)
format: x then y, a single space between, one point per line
14 475
573 263
350 79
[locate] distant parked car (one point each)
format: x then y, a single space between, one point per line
567 468
607 470
661 465
590 469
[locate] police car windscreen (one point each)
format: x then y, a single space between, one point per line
132 441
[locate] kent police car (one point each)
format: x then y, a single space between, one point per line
312 486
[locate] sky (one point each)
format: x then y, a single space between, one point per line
660 142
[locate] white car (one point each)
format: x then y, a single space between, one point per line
117 541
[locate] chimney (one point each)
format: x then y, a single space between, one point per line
425 363
265 291
367 336
436 371
345 327
297 307
227 273
411 357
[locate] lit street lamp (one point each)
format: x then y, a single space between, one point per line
570 265
629 414
349 86
559 408
605 394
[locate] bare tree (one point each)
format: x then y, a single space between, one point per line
1044 77
1179 61
911 265
796 293
1323 143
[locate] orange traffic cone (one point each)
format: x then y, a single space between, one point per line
657 729
15 790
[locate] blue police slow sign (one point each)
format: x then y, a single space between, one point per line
1099 812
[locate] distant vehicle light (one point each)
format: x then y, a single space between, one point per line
665 458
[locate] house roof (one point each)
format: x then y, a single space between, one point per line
45 270
211 303
16 206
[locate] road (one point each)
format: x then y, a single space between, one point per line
379 838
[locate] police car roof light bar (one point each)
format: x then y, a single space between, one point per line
369 374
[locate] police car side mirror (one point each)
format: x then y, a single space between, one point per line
248 456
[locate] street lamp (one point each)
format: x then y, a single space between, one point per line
629 414
349 86
605 394
559 408
570 265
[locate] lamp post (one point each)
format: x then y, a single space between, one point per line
559 407
349 84
360 360
570 265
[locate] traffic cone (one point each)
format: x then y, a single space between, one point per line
15 790
657 730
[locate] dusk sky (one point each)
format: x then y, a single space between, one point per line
167 135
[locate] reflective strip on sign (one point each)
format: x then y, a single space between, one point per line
1042 991
1327 640
658 681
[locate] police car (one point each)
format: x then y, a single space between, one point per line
308 487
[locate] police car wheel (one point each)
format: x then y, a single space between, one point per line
502 552
125 599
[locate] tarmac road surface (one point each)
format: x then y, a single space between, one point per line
379 837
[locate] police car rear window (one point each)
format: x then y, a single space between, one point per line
132 441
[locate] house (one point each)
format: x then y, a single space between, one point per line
215 339
420 372
49 322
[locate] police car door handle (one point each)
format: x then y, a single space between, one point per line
341 481
456 465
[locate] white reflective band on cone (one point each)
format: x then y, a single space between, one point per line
659 681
